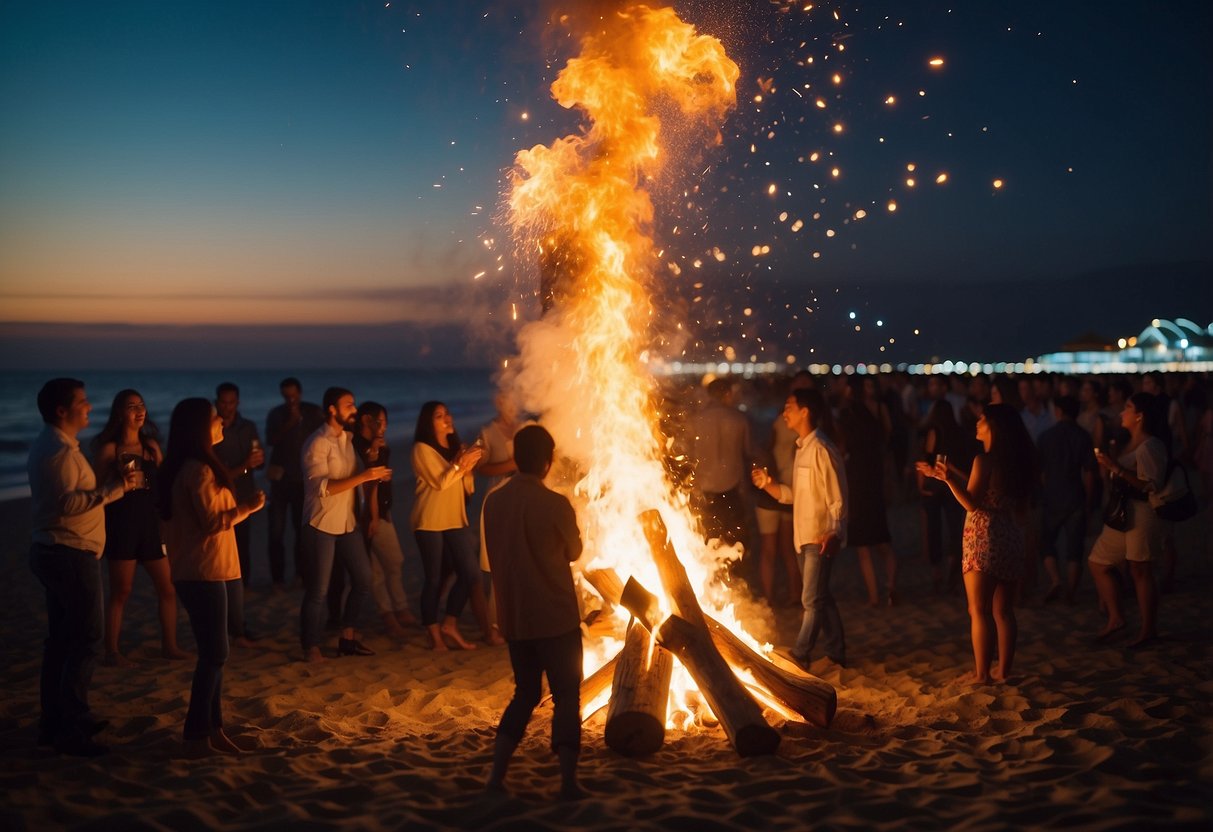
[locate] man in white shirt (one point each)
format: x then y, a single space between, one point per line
67 540
818 494
330 528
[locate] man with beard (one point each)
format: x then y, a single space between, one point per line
330 529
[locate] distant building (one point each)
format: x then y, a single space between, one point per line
1169 346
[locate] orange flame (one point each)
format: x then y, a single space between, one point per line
582 205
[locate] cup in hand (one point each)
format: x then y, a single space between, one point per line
132 465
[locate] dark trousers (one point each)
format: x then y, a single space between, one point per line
244 545
941 512
72 580
1064 534
319 552
207 604
285 497
723 516
458 548
235 611
559 657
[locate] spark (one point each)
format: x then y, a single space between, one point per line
939 180
935 63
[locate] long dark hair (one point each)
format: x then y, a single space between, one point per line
189 437
1153 410
1012 455
424 432
113 425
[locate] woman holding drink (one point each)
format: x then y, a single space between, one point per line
132 529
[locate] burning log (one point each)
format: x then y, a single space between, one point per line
805 694
732 704
673 576
640 691
606 583
688 637
797 691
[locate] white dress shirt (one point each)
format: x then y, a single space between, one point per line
68 505
329 457
818 493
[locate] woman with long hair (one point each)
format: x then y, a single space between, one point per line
444 466
996 498
200 513
132 528
1139 469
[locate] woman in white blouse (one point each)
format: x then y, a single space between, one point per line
1141 469
444 467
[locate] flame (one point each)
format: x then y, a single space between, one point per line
583 203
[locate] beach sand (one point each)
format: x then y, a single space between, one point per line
1084 736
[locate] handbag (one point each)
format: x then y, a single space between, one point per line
1174 506
1116 512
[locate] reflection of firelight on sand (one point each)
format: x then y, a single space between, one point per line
582 208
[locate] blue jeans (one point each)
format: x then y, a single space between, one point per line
458 547
320 549
72 580
207 603
820 612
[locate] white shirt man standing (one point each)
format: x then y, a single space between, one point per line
818 494
67 540
330 528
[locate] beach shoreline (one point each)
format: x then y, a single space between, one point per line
1083 737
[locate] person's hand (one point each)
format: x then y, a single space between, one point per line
254 459
1105 461
760 477
257 503
377 473
469 457
372 526
829 546
132 480
932 471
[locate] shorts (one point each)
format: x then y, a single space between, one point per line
1140 544
770 518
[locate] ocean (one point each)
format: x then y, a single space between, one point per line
468 394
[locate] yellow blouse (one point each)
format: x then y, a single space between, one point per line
199 539
440 502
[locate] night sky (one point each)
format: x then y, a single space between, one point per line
169 165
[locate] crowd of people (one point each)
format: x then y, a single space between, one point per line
1008 473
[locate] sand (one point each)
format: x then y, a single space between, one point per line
1084 736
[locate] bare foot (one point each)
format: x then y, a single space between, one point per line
1142 640
222 743
313 654
494 639
117 660
973 678
453 635
175 653
244 641
1109 631
436 642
